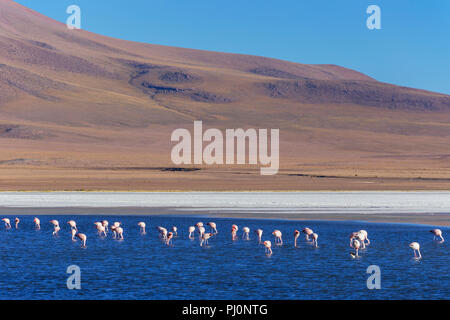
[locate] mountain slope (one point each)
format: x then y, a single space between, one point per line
73 100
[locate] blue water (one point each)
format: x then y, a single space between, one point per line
34 263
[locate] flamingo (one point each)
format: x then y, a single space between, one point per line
308 232
83 238
191 231
119 231
201 231
105 224
37 223
142 226
268 247
366 235
74 232
72 224
117 224
278 239
361 237
175 231
7 223
213 227
162 233
416 247
234 229
205 238
56 227
437 233
199 224
352 236
296 235
113 229
55 223
315 236
16 221
169 239
246 233
56 230
355 244
358 236
259 233
100 228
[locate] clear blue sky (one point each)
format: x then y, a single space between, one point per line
411 49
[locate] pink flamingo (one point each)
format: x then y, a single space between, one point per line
268 247
234 229
56 230
105 224
74 232
308 232
199 224
56 227
162 233
437 233
201 231
142 226
83 238
7 223
37 223
278 239
355 244
205 238
72 224
259 233
359 236
213 227
16 221
315 236
169 239
296 235
191 231
100 228
119 231
366 236
416 247
246 233
113 229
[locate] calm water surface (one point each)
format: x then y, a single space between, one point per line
34 263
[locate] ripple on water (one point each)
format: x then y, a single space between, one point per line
34 263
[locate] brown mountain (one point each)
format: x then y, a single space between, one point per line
84 111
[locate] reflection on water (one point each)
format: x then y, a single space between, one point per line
34 263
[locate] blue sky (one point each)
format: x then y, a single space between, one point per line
411 49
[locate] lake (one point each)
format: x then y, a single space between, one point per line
34 263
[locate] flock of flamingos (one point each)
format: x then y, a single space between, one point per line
358 239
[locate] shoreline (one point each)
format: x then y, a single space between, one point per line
417 207
429 220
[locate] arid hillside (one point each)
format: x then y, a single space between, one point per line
80 111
